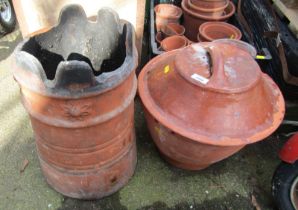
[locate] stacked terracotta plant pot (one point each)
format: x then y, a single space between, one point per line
197 12
173 43
166 13
171 29
170 34
211 31
209 7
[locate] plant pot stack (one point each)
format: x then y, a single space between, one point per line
174 42
165 14
211 31
170 34
197 12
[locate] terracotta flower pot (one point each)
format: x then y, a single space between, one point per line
193 20
173 43
210 31
172 29
205 102
206 10
209 4
166 13
83 121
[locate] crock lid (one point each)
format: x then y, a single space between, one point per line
218 66
213 93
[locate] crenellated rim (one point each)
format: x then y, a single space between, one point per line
77 58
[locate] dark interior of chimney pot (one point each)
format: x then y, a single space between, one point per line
50 60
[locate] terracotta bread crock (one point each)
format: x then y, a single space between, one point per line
193 20
205 102
210 31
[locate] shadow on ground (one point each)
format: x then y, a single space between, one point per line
227 202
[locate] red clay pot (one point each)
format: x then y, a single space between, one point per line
193 20
166 13
83 124
206 10
172 29
173 43
210 31
209 4
205 102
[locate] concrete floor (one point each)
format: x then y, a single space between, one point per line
241 182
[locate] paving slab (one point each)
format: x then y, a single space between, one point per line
228 185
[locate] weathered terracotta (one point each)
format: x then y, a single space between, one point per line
209 4
83 121
173 43
199 38
158 37
206 10
189 42
210 31
172 29
166 13
205 102
193 20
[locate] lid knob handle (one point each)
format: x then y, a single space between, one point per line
218 77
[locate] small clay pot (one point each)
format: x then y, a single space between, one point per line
172 29
193 20
173 43
210 31
206 10
166 13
